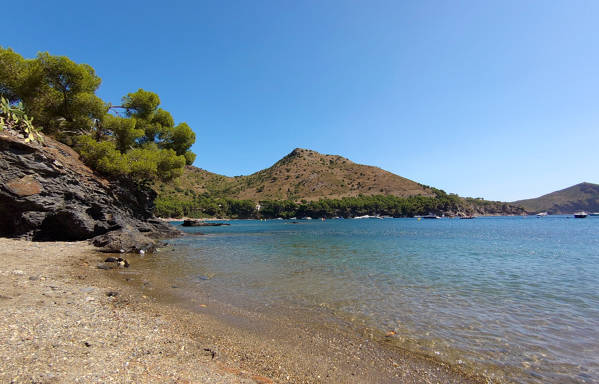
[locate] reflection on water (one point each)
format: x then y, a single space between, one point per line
515 298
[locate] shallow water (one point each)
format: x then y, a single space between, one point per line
513 298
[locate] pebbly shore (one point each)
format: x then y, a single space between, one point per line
62 319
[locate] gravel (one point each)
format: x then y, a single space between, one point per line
64 320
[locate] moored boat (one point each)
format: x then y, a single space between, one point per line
594 214
542 214
580 215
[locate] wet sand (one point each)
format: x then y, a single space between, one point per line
64 320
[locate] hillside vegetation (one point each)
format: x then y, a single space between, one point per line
307 183
136 140
301 175
579 197
309 175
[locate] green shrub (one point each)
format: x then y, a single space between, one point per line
143 142
14 117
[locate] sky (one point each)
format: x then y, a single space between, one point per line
492 99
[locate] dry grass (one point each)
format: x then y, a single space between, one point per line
303 174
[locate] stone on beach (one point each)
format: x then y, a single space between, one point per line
126 240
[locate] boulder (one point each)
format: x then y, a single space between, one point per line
126 240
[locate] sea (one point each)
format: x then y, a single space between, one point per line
515 299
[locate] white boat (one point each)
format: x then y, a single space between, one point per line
580 215
542 214
594 214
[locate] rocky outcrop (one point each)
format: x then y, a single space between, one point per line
200 223
47 193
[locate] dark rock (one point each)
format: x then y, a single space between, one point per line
198 223
66 224
211 351
47 193
127 239
112 293
119 260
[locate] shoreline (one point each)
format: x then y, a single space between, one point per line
174 219
143 334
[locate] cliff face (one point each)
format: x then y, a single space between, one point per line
47 193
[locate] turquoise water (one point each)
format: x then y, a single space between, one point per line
514 298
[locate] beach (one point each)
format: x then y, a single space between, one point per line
65 320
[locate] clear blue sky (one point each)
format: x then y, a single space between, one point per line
498 99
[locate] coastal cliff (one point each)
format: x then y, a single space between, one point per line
47 193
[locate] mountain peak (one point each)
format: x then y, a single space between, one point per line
305 174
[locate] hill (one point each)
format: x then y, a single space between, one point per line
579 197
308 183
301 175
309 175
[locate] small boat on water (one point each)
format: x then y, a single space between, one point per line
429 216
594 214
466 217
542 214
580 215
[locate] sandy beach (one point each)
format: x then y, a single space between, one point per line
65 320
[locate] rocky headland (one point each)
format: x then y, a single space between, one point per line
47 193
